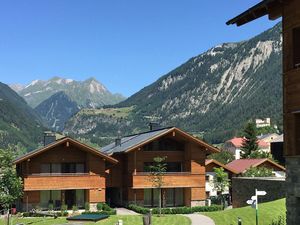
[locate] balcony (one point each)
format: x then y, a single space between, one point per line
62 181
142 180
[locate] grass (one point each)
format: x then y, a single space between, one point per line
112 220
113 112
267 212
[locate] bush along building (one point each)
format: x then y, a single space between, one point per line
289 10
67 172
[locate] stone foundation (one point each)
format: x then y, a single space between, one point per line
93 207
293 190
198 203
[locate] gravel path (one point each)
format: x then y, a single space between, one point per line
198 219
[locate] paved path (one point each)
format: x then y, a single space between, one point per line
124 211
198 219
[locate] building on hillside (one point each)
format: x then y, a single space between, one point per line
210 164
242 165
183 183
263 122
289 10
235 144
268 138
64 171
277 149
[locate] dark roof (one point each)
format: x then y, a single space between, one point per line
255 12
60 141
133 140
128 143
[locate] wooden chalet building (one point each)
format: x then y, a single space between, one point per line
289 10
184 182
63 172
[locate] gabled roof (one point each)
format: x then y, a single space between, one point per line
132 142
210 161
238 142
265 7
61 141
241 165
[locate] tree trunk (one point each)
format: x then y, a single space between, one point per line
159 201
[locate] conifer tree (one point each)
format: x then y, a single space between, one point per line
250 142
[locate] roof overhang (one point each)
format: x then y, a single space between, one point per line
210 161
272 8
209 148
62 141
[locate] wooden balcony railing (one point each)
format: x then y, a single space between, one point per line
170 180
61 181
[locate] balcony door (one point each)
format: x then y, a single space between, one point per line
170 197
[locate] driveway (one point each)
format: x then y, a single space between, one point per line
198 219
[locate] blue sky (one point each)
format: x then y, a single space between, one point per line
126 45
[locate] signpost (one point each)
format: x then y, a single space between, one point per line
254 201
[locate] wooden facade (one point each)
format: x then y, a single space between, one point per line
289 10
187 179
65 168
71 173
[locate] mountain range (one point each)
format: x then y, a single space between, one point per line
57 99
20 126
211 95
87 94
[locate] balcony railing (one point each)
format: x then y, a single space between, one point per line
56 174
170 180
63 181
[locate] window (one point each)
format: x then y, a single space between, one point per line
55 168
80 198
207 177
44 199
50 197
296 47
166 144
46 168
148 197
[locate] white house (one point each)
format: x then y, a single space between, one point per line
210 164
235 144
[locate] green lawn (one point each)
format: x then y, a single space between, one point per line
127 220
267 212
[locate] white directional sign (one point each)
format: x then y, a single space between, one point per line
254 198
261 193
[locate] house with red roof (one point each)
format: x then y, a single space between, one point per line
242 165
235 144
210 164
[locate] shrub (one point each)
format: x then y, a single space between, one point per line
99 206
50 206
75 208
109 212
64 207
87 206
106 207
138 209
176 210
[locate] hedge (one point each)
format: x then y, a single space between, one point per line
176 210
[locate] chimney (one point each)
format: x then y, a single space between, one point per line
118 141
154 126
49 137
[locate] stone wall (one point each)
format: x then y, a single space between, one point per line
244 187
293 189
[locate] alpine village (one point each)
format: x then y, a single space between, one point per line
215 141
